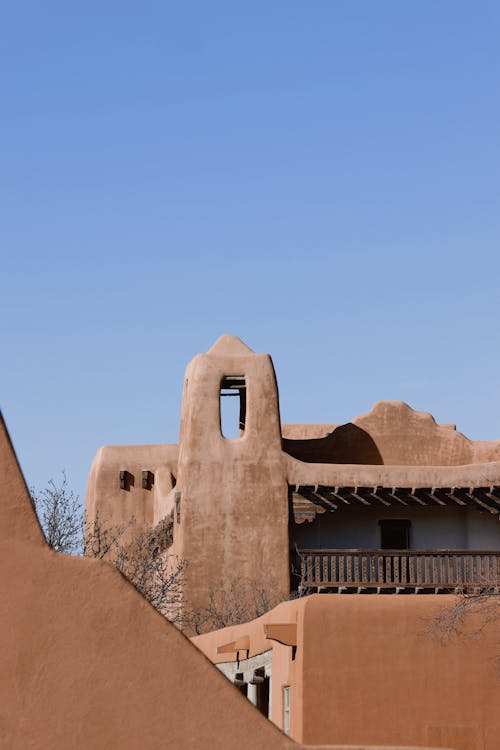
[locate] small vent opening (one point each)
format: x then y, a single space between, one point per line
233 406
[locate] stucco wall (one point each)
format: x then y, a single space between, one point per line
230 496
366 667
392 434
117 506
232 523
371 670
87 664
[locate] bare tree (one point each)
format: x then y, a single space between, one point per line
233 602
60 515
142 556
158 575
101 540
474 609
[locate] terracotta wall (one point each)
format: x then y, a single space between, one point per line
87 664
229 497
285 670
365 670
232 523
116 505
393 434
371 671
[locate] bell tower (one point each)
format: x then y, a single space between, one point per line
231 497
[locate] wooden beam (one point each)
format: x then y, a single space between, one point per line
331 498
358 497
374 493
285 633
340 496
435 494
454 496
393 494
480 498
326 495
240 644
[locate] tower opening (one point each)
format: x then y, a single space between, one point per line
233 406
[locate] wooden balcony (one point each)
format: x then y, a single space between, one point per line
398 570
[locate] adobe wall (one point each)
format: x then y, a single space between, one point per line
231 518
382 677
366 668
229 497
392 434
362 475
87 664
285 670
116 505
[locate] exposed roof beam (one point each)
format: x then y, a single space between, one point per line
330 498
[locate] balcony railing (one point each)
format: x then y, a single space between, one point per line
400 569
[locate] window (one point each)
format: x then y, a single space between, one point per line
262 684
286 709
233 406
395 533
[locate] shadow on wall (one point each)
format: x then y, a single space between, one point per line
347 444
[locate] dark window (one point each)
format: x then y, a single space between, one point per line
233 406
263 697
395 534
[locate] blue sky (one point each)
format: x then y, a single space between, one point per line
319 178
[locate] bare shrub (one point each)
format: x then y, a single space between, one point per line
158 575
101 540
60 515
142 558
474 609
232 603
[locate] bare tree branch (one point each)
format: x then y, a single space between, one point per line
475 608
142 557
232 603
60 515
101 540
143 560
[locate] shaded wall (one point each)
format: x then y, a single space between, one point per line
431 528
393 434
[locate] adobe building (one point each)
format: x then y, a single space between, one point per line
356 669
390 503
86 662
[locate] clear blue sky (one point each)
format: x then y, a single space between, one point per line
320 178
